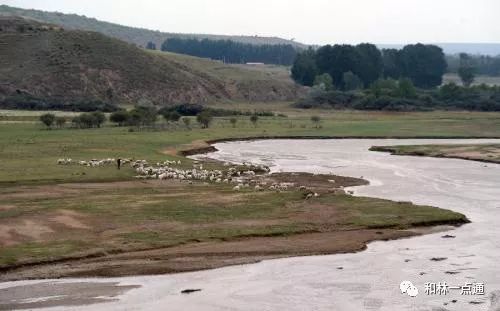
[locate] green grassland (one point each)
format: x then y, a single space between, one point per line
135 215
29 152
480 152
157 215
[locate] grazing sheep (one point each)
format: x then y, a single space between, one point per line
64 161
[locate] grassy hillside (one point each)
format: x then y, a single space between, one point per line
137 36
50 62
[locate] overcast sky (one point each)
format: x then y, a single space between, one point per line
308 21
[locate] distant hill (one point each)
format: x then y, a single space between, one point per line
45 61
492 49
137 36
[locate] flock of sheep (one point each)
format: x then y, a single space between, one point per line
91 163
242 177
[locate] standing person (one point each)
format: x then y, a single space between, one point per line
118 163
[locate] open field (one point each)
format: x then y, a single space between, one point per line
29 152
483 153
50 212
182 222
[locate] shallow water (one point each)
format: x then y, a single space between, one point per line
368 280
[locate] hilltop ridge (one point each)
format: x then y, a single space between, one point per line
138 36
46 61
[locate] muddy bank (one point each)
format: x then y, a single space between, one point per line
210 255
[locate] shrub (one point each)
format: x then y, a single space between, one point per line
254 118
204 118
119 117
171 116
186 121
316 120
98 118
233 121
60 121
143 115
48 119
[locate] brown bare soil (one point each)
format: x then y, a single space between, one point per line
209 255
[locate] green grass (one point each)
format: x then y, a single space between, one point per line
369 213
29 152
477 152
145 216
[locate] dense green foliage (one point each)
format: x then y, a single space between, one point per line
29 102
204 118
89 120
425 65
196 109
364 60
353 67
392 95
232 52
48 119
304 69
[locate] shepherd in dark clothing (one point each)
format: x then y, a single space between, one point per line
118 163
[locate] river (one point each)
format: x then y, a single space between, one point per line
369 280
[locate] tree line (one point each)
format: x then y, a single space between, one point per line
402 95
147 115
482 64
229 51
361 65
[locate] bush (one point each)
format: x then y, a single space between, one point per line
99 118
119 117
171 116
204 118
48 119
60 121
89 120
403 96
29 102
332 99
186 121
233 121
143 115
316 120
254 118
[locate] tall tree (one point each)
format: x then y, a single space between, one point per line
425 65
304 69
392 63
466 71
230 51
370 65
